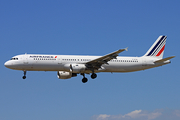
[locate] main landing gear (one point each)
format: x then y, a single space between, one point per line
84 80
24 77
94 75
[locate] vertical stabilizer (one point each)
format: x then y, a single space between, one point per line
157 49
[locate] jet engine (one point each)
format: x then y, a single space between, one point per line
75 68
65 75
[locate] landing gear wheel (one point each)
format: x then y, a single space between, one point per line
24 77
84 80
94 75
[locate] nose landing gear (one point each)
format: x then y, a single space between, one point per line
24 77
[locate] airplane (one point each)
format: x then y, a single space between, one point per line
68 66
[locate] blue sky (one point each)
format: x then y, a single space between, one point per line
89 28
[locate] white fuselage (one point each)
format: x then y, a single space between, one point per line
37 62
68 66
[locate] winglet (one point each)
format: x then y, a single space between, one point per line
126 49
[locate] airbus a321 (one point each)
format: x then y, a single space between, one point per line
68 66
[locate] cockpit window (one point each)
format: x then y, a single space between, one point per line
14 58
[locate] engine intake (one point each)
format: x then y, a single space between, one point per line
65 75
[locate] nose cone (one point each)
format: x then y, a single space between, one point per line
7 64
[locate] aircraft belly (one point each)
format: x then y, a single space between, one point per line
123 67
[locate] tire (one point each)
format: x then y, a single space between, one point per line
24 77
84 80
94 75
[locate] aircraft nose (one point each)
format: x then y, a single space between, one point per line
7 64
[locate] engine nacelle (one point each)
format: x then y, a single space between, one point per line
65 75
76 68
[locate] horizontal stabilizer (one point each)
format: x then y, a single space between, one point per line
165 59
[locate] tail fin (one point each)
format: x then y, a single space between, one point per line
157 49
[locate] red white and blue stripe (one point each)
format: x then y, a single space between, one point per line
157 48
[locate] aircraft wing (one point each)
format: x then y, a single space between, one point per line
97 63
